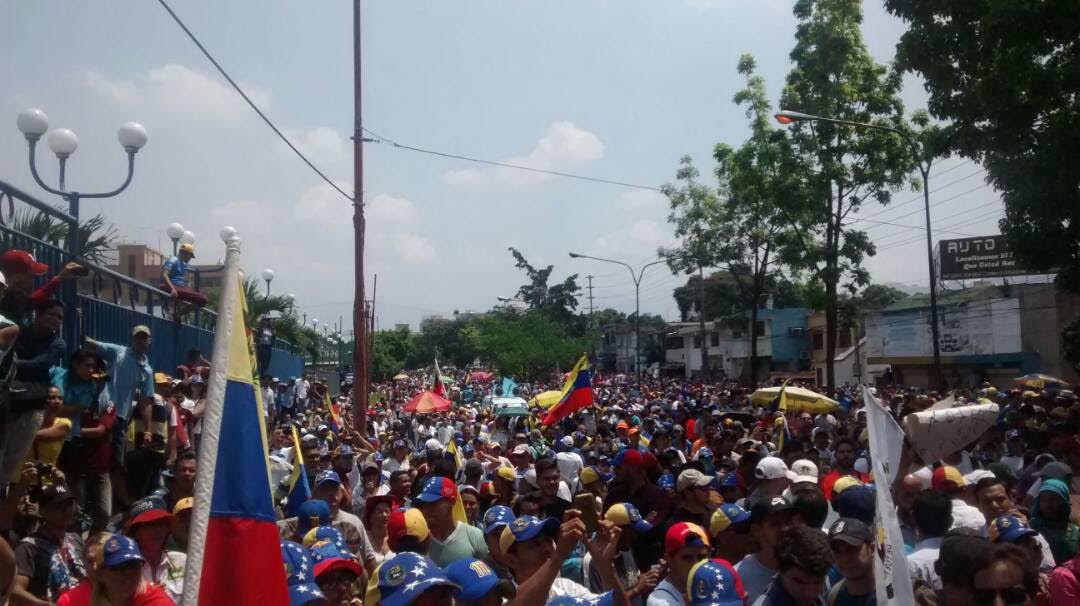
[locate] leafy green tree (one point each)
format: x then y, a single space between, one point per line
695 209
391 350
753 180
834 75
526 345
447 339
96 235
559 299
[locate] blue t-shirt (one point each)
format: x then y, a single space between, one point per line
83 394
177 270
131 375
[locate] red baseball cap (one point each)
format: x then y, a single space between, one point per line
685 534
22 261
947 478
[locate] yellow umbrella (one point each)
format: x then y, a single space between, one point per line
546 399
798 399
401 377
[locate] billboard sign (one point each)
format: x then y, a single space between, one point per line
982 257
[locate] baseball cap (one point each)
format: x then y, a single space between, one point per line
433 445
590 475
406 523
731 480
21 260
184 504
851 531
56 493
944 475
327 476
309 441
324 533
606 599
1009 529
685 534
691 478
625 514
161 378
526 528
666 481
843 483
714 583
120 550
628 456
344 451
805 471
1013 434
857 502
311 514
437 488
726 516
328 556
506 473
145 511
521 449
400 444
1055 470
773 468
476 580
302 589
763 508
496 517
188 247
140 329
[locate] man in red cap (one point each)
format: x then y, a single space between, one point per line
685 544
451 540
20 269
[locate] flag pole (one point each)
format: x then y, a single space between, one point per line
215 400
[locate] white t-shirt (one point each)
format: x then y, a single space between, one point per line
1014 463
921 562
570 465
665 594
966 516
566 587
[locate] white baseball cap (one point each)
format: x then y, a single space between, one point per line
773 468
433 445
805 471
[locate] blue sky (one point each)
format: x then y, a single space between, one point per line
618 89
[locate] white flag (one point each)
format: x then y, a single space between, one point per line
891 577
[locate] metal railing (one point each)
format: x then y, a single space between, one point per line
108 304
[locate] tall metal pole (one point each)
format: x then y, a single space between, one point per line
935 379
360 325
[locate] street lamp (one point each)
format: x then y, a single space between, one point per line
788 117
268 277
188 237
175 231
637 302
33 123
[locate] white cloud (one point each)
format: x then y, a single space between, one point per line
178 90
563 147
323 205
388 211
642 237
323 145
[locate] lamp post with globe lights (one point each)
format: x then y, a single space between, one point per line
175 231
33 123
268 277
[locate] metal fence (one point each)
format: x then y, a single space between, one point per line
109 304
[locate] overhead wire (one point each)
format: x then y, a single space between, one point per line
252 104
533 169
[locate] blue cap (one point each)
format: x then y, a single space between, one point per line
312 513
730 481
526 528
1009 529
857 502
379 458
713 583
704 453
325 533
666 481
120 550
326 476
400 444
405 577
299 575
344 451
476 580
436 488
496 517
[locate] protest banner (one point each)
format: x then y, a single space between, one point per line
938 433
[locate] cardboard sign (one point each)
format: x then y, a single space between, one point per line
938 433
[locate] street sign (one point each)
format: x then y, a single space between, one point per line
981 257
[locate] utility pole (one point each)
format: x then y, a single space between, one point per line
360 322
590 301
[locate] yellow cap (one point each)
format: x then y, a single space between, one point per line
506 473
188 247
844 483
183 504
161 378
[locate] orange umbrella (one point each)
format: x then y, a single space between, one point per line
427 402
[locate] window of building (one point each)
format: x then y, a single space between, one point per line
675 342
819 341
714 339
759 328
697 340
131 265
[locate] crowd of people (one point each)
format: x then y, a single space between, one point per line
663 492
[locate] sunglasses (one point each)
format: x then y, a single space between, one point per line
1012 596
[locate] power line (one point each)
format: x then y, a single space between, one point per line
892 207
942 219
251 103
507 164
961 224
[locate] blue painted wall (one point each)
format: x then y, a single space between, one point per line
785 346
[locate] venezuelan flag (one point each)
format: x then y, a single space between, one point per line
781 407
333 415
576 393
234 555
437 386
299 489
